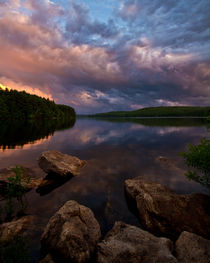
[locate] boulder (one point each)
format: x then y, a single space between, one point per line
129 244
72 233
28 180
166 213
191 248
14 228
61 164
44 185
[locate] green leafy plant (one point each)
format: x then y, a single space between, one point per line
198 158
16 190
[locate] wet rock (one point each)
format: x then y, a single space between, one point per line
61 164
164 212
191 248
72 233
129 244
14 228
28 180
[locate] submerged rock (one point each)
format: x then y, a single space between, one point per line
61 164
14 228
43 185
164 212
191 248
129 244
28 180
72 233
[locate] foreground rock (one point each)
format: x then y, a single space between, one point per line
191 248
28 180
14 228
72 233
130 244
164 212
61 164
47 259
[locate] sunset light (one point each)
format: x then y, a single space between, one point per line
3 87
135 52
104 131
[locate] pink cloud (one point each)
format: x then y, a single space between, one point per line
37 56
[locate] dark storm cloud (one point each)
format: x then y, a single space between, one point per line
169 23
148 53
80 28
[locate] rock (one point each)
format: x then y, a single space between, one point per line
47 259
191 248
28 180
164 212
14 228
61 164
129 244
72 233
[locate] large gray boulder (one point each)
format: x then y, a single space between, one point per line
164 212
191 248
72 233
61 164
129 244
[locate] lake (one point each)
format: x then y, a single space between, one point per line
115 150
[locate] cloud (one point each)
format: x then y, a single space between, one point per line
129 10
81 29
44 93
168 23
148 54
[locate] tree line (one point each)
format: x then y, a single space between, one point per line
21 105
164 111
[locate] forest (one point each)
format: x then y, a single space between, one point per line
171 111
19 105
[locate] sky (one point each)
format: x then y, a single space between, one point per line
106 55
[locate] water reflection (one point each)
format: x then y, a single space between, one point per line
50 183
115 151
161 121
14 134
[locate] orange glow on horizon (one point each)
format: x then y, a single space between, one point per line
3 87
20 87
26 146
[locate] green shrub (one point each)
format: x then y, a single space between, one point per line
198 158
16 190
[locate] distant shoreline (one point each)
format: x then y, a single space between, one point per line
158 112
139 117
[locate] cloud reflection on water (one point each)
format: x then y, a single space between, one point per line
115 151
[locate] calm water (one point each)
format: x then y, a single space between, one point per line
115 151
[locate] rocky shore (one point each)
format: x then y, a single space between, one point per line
176 228
163 212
